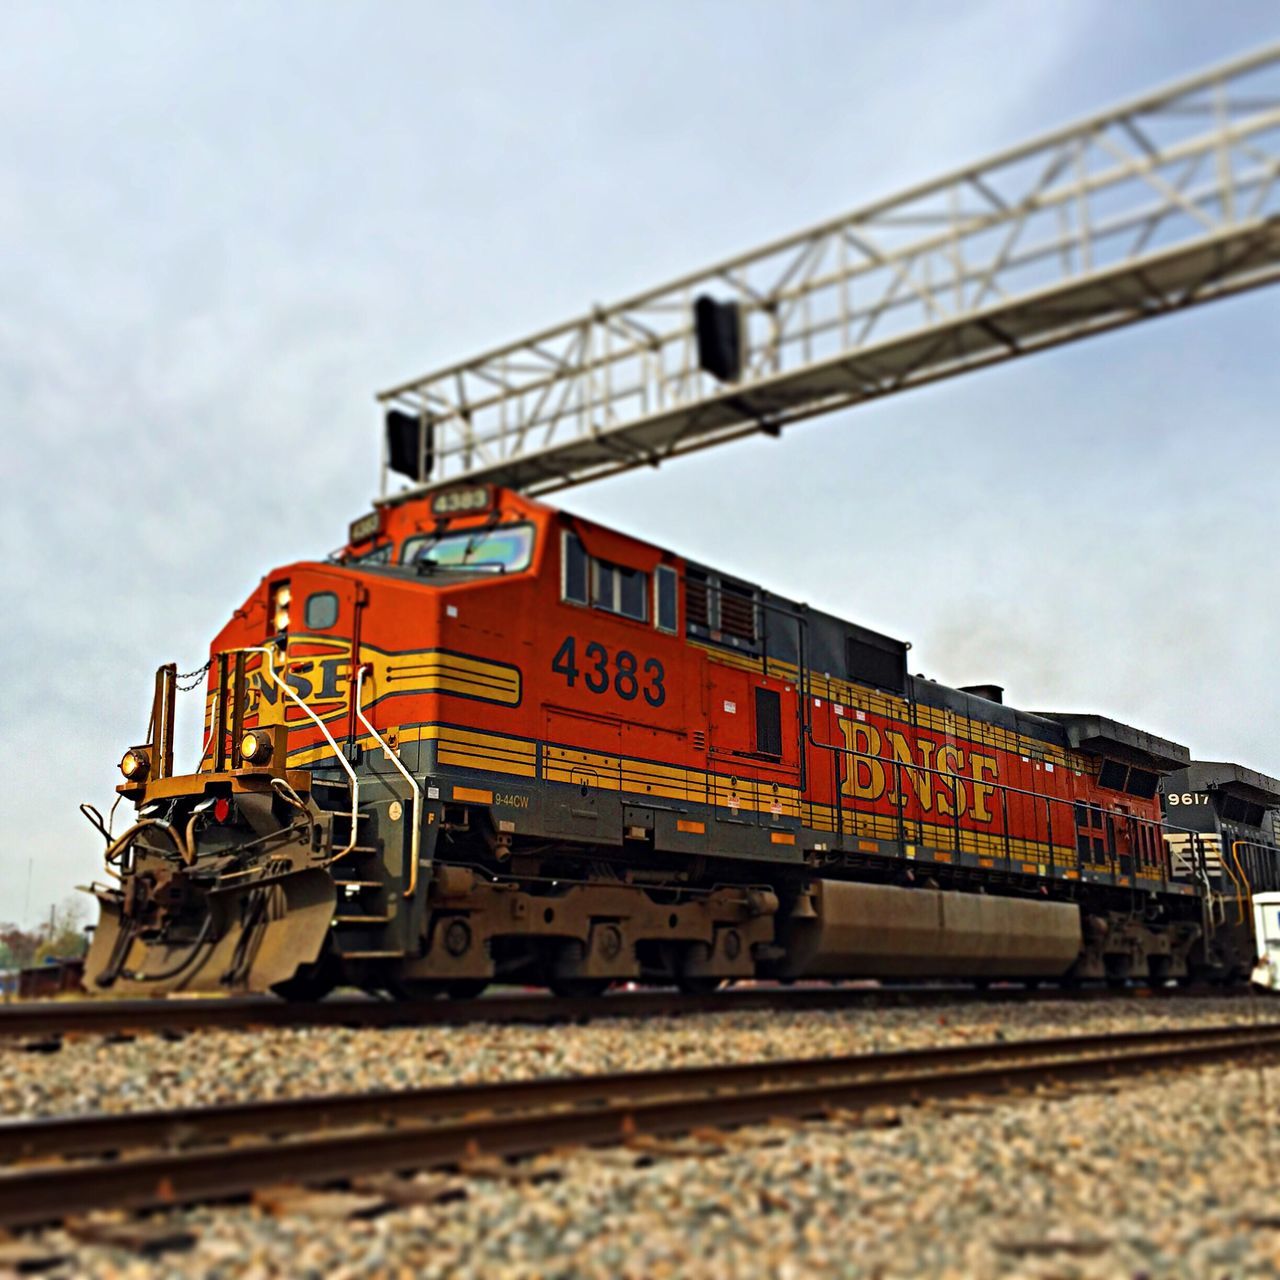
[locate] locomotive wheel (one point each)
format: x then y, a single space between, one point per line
466 989
414 989
579 988
310 983
698 986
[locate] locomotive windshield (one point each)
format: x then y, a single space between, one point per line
504 549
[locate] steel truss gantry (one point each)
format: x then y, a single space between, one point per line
1166 201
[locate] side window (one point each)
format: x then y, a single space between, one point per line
610 587
618 590
632 586
768 723
665 596
603 585
321 611
573 567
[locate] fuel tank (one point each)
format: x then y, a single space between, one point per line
879 931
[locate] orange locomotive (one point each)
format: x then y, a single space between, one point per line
490 740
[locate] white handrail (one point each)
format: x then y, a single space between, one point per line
415 838
287 690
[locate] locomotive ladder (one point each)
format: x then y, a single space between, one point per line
1166 201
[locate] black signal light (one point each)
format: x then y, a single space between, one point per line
718 326
410 445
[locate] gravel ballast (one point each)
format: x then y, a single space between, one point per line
1171 1177
94 1074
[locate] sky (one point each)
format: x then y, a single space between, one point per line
223 228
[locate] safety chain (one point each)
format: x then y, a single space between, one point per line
193 678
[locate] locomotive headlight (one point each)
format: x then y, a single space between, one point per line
281 620
283 596
255 747
134 764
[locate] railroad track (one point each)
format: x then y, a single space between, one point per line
149 1160
54 1018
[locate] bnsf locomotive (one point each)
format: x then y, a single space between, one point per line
490 740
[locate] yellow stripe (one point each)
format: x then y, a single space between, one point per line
487 752
435 672
475 794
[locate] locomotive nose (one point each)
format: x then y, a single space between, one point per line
218 882
177 933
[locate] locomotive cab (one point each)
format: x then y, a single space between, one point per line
1219 828
292 823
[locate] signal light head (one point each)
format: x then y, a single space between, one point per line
255 747
135 764
280 600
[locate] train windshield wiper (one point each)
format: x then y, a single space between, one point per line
428 564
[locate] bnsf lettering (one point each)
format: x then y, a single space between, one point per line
868 776
301 679
599 675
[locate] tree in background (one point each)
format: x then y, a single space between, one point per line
62 937
17 947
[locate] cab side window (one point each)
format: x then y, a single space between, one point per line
616 589
665 598
573 569
611 588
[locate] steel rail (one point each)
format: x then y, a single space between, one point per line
41 1194
55 1018
187 1126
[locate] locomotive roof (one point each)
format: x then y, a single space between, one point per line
1101 736
1233 779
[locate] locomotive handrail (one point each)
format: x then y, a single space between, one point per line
415 838
1245 880
1264 860
287 690
1237 891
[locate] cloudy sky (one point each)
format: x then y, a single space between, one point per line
222 228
